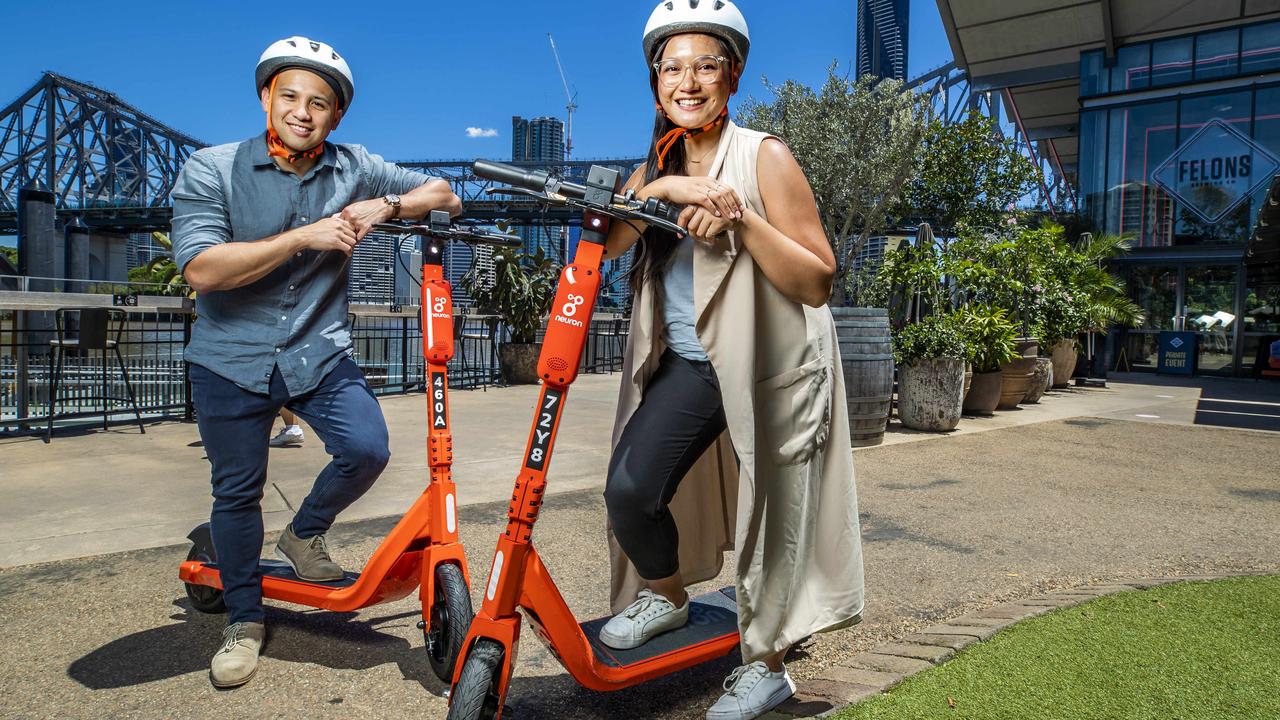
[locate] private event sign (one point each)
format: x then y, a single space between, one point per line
1215 170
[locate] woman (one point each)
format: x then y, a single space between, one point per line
732 392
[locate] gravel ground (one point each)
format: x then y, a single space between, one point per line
949 526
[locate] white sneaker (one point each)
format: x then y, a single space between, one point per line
650 615
290 435
752 692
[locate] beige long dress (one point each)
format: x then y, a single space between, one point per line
788 505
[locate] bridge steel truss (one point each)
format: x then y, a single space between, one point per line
105 161
952 96
111 166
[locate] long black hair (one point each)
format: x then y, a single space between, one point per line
656 247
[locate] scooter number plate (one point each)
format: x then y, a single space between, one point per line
543 429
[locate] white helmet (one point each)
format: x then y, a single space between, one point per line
720 18
300 52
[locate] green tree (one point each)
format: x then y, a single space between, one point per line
969 176
520 290
858 143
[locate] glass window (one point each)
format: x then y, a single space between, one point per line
1260 49
1266 130
1217 53
1132 70
1093 75
1209 308
1193 229
1261 326
1093 166
1154 288
1171 61
1141 138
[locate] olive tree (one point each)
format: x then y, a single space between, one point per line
859 145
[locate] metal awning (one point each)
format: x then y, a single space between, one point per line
1031 48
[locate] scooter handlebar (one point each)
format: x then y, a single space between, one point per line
535 180
540 181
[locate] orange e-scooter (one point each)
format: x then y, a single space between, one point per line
518 581
422 551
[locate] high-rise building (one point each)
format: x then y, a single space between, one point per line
372 279
141 248
542 140
537 139
882 38
462 260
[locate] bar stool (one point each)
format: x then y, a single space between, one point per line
614 334
94 329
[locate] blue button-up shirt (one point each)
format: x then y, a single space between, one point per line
294 317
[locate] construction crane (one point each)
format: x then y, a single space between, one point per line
572 96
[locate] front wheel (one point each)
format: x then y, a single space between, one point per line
450 620
204 598
476 695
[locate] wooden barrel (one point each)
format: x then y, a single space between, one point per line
866 356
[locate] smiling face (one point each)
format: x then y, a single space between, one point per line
694 103
304 109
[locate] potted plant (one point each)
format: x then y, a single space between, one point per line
992 339
931 356
520 292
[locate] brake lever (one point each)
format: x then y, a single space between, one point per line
550 198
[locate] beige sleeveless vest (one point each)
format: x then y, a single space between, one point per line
788 505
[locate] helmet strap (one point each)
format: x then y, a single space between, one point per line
669 140
275 146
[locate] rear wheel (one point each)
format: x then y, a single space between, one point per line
450 620
204 598
475 696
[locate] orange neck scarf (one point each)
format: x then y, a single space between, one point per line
275 146
669 140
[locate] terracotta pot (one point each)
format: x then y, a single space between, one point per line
1017 374
1063 355
519 362
984 394
931 394
968 379
1040 380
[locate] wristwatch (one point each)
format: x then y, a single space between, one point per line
394 201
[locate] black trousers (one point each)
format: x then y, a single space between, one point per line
680 416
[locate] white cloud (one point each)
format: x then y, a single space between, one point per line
475 132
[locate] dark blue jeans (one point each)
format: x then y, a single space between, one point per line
235 426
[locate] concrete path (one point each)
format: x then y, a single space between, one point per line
96 492
950 525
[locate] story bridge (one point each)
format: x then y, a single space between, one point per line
108 167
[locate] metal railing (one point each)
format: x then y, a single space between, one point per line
386 345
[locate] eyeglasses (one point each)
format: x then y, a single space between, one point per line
706 70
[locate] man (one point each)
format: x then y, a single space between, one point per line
264 230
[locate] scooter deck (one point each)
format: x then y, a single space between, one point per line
281 570
711 616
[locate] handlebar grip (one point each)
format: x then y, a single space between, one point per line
656 207
511 175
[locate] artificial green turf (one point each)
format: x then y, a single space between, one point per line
1199 650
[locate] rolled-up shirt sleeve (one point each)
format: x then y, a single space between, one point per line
385 177
200 218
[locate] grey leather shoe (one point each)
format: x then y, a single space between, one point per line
309 558
237 660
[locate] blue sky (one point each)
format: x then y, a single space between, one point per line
425 72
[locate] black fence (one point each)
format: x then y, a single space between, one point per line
388 347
